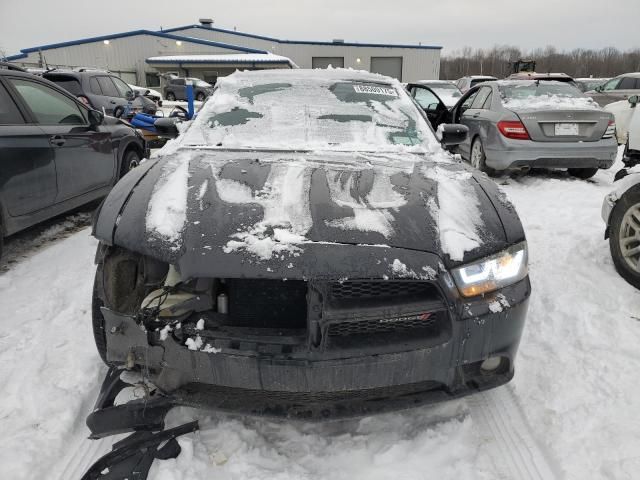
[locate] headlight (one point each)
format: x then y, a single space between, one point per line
492 273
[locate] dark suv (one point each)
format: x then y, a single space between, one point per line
56 154
102 90
176 89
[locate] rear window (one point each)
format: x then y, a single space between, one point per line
70 84
539 89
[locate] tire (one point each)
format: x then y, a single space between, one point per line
130 160
97 320
624 228
478 159
171 96
582 173
200 97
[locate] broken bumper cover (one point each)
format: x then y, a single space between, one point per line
325 385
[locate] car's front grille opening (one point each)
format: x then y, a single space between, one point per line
379 292
260 303
417 322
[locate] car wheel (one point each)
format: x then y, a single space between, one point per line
171 96
130 160
97 319
624 241
200 97
478 159
583 173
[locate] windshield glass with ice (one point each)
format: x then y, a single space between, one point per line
309 112
546 94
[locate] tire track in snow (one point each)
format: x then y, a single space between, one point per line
83 454
507 435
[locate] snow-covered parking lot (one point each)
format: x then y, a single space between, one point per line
571 411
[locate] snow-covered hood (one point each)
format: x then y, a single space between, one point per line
279 208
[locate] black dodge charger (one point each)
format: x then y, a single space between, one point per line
307 248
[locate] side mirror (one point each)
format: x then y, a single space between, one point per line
432 107
95 118
131 94
451 134
599 88
167 127
634 100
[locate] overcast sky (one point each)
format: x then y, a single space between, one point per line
566 24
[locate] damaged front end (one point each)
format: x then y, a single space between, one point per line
306 348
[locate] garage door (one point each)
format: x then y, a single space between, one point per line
390 66
324 62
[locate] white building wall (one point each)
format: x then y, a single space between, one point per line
127 54
417 64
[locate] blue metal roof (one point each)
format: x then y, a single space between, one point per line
303 42
25 52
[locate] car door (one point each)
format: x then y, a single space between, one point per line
84 156
435 108
463 114
179 89
113 97
475 116
609 92
27 168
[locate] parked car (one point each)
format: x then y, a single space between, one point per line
301 250
102 91
465 83
153 95
447 91
623 112
176 89
588 84
520 124
55 153
618 88
621 208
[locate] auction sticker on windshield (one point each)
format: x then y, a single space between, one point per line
375 90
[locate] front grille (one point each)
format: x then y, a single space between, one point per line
425 321
376 289
267 303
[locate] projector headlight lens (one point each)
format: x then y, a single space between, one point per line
492 273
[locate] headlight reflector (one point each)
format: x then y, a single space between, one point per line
492 273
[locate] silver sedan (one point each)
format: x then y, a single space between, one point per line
522 124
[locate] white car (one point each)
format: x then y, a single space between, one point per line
154 95
622 111
621 208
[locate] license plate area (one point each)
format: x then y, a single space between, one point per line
567 129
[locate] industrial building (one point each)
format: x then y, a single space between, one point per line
207 52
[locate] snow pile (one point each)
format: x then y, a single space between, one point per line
550 102
457 211
287 216
307 110
167 211
372 213
400 270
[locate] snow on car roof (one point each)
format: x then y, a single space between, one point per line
550 100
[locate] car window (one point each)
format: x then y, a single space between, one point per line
487 103
627 83
107 86
482 95
70 84
94 86
469 101
47 105
425 97
611 84
123 88
178 81
9 113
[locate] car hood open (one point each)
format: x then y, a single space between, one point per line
204 209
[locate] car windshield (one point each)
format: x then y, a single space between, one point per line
309 111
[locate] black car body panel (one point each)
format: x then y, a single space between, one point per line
212 222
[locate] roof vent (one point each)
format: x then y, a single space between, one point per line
338 40
206 22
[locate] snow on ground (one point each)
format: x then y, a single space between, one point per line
575 388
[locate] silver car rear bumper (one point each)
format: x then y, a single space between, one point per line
511 154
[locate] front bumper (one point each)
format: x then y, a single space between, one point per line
261 379
512 154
